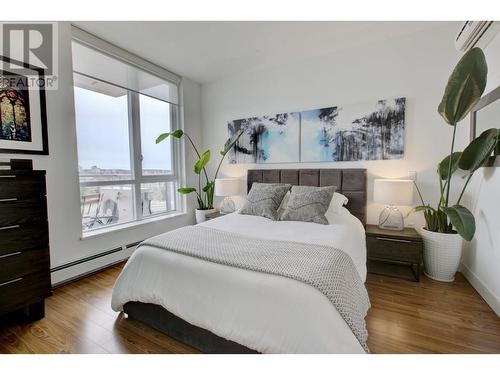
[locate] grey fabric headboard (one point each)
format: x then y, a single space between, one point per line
350 182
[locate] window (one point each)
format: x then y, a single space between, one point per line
124 175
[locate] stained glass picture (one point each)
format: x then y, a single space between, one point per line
15 109
23 111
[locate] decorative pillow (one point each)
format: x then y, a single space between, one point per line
283 204
336 204
338 201
264 200
308 203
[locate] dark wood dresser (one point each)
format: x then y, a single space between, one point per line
24 243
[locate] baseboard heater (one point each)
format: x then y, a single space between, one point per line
92 257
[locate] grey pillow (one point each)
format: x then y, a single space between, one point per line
308 203
264 200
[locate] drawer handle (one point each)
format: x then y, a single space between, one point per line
9 176
8 200
10 254
392 239
10 227
11 281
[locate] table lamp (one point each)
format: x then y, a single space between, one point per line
227 188
392 193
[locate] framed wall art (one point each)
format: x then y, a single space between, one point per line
266 139
363 131
372 130
23 113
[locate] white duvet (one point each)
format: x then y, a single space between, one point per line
267 313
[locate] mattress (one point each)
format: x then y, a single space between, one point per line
267 313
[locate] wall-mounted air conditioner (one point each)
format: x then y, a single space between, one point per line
476 34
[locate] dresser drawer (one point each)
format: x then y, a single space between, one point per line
23 236
394 249
22 291
22 263
15 211
22 186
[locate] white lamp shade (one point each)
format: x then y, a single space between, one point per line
227 187
393 192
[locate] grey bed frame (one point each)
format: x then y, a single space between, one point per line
350 182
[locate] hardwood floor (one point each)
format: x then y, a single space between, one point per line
429 317
406 317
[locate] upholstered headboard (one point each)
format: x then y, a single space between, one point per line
350 182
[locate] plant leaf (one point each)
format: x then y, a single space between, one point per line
462 220
230 143
444 166
202 162
477 153
418 209
497 147
465 86
176 134
186 190
208 186
162 137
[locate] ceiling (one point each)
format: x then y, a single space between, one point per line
211 51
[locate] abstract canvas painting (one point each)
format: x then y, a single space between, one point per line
266 139
367 131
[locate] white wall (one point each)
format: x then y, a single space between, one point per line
481 260
63 192
416 66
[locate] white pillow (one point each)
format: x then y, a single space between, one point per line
337 217
338 201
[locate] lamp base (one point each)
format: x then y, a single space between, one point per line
227 206
391 218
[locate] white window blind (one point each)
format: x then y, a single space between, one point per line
90 62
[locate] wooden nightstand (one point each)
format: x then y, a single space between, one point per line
394 253
213 215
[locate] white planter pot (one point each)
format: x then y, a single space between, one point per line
200 215
442 254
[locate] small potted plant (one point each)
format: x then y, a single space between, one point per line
447 225
205 194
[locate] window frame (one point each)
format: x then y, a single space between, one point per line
135 146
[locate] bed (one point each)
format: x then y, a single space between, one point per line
217 308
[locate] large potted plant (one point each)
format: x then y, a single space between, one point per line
447 225
205 194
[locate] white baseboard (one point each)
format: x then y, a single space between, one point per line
491 298
82 269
